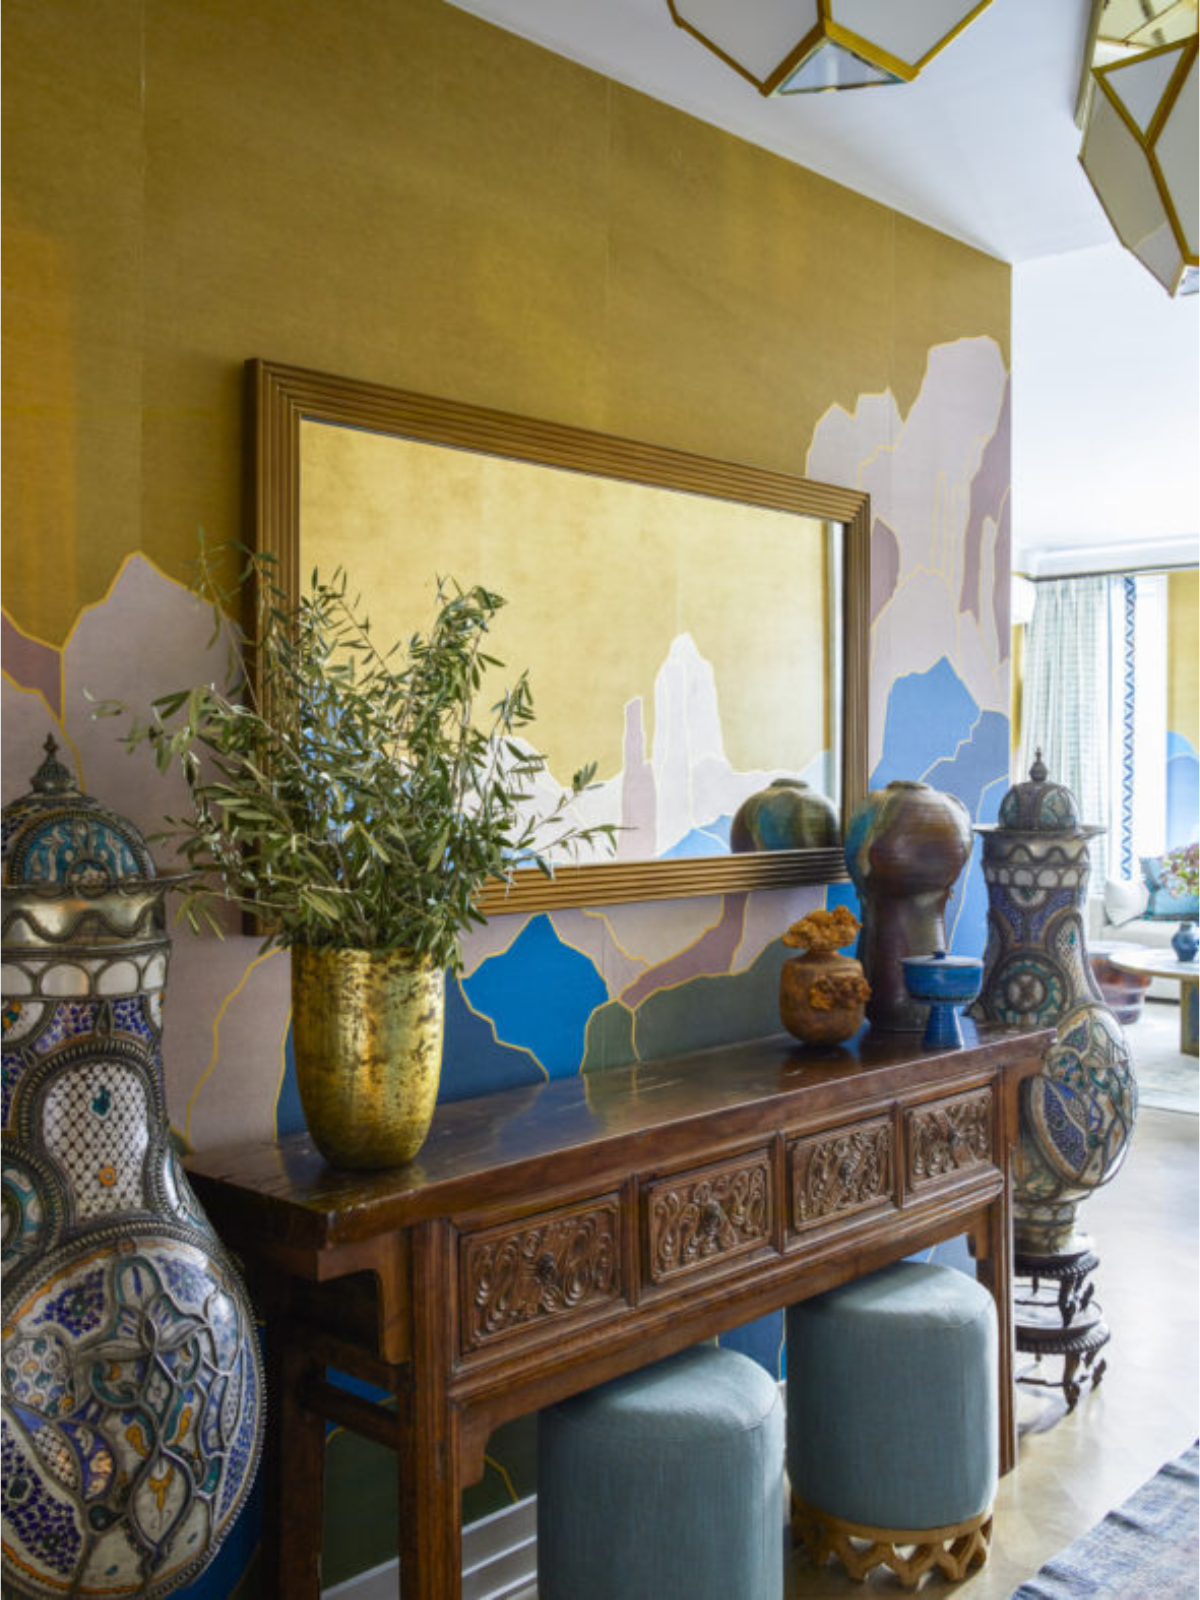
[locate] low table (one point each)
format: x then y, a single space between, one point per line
1123 991
1157 964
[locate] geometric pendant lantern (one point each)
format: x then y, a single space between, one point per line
802 46
1140 150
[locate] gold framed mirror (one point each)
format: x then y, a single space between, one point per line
738 594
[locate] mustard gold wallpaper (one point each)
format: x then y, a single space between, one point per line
402 194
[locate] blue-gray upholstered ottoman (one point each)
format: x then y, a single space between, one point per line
893 1421
665 1485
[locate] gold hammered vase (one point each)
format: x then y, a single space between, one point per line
367 1040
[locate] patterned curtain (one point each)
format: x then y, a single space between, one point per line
1065 698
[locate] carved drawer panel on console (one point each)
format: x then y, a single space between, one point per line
694 1219
843 1171
545 1270
948 1136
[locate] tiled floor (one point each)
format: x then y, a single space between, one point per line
1074 1468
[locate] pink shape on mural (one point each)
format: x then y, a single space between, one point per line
711 956
31 664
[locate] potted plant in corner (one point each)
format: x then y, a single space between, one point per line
355 800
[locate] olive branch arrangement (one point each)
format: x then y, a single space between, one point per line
348 794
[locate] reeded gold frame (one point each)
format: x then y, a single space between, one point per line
280 398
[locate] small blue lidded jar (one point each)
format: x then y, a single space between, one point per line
945 983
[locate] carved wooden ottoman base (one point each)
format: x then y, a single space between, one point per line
909 1553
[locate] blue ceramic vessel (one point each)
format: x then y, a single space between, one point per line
944 983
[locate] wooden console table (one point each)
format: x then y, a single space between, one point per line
549 1238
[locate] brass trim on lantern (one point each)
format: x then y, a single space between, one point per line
1147 141
281 397
833 32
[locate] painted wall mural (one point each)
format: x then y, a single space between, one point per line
544 996
578 991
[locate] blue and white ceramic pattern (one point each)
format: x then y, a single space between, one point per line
131 1376
1078 1114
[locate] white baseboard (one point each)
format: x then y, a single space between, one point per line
499 1561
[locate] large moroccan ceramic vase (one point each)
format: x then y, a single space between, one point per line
1078 1113
905 847
132 1383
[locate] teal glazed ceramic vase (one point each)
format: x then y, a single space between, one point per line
943 983
786 815
905 847
1078 1113
132 1381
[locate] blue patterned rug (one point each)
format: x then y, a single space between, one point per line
1146 1549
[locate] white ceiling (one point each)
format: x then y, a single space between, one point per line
983 146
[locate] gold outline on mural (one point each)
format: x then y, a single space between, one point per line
601 914
638 906
482 1016
607 935
631 1013
652 967
53 717
490 1461
233 995
668 988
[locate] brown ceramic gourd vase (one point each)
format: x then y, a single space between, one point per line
905 847
822 994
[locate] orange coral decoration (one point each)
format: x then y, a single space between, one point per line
823 931
833 992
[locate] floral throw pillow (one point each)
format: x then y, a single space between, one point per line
1171 880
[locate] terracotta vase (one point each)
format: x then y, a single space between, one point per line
822 997
905 846
822 994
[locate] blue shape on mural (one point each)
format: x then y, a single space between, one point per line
712 839
289 1113
474 1061
761 1340
843 894
540 994
929 715
1183 792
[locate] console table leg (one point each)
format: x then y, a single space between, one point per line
994 1271
430 1436
293 1478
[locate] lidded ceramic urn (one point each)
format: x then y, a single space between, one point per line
1078 1114
131 1376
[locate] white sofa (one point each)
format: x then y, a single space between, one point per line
1117 917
